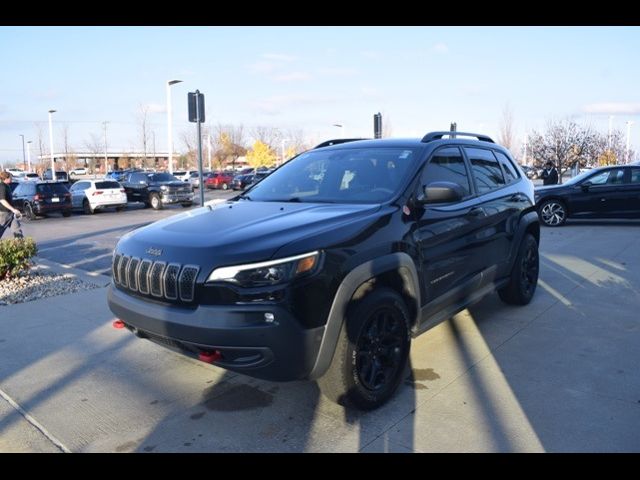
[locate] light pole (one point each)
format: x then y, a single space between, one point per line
53 163
169 123
629 123
106 161
29 155
609 137
23 160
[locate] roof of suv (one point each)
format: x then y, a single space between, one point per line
430 138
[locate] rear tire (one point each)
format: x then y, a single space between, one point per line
66 213
371 354
187 204
524 276
86 208
28 212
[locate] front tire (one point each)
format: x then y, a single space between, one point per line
155 201
552 213
371 354
524 276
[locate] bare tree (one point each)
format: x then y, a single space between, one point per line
41 147
268 135
93 145
143 125
563 143
69 157
507 136
230 144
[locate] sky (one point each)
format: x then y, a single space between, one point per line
311 78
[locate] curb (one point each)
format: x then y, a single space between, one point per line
89 277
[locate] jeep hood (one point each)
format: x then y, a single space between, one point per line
245 231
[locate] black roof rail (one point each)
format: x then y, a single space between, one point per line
337 141
438 135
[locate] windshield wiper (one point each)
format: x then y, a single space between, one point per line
245 197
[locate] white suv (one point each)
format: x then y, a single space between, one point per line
92 195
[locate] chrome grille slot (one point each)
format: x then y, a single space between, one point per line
132 272
122 270
171 281
143 276
155 278
114 267
187 282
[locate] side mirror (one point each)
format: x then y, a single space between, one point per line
441 192
585 185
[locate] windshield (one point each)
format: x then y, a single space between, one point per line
350 175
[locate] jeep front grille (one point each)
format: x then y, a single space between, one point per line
157 279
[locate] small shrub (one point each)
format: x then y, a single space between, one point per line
15 256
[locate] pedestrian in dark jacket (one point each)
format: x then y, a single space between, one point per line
549 174
8 214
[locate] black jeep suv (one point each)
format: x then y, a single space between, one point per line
329 266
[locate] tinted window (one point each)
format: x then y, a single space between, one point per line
162 177
485 168
138 177
510 172
608 177
80 186
52 189
105 185
635 175
446 165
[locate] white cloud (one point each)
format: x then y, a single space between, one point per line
277 104
370 92
440 47
372 55
279 57
262 67
337 72
292 77
629 108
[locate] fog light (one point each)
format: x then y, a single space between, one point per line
269 317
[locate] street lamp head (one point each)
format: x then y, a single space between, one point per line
52 111
173 82
337 125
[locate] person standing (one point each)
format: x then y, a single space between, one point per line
549 174
8 214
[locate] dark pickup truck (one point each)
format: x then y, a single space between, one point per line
157 189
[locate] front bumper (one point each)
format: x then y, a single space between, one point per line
280 350
176 197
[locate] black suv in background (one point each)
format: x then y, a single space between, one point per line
330 265
605 192
41 198
156 189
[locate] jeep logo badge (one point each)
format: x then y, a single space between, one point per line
156 252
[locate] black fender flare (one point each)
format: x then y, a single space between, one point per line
399 262
526 220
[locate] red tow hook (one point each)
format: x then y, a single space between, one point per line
210 357
118 324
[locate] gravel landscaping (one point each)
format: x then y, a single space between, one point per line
36 284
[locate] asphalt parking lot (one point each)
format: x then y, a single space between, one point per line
559 375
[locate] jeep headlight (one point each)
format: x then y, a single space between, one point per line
262 274
164 188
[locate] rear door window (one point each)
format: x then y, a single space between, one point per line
486 169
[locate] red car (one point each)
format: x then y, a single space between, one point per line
219 180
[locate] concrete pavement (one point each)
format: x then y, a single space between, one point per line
558 375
